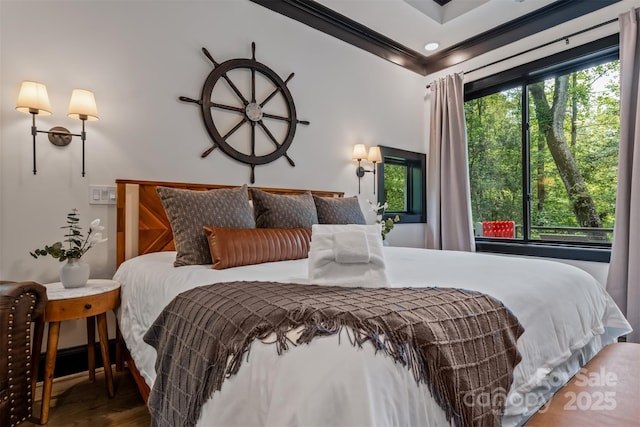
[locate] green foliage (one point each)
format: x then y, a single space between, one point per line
495 168
591 127
78 245
386 224
395 184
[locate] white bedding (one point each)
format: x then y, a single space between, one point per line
566 313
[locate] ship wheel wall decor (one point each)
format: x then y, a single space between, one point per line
249 110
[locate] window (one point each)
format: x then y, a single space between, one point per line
543 156
401 182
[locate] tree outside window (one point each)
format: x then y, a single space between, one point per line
556 180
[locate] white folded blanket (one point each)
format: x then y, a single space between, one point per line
351 247
325 269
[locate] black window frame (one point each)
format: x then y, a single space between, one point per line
416 164
585 56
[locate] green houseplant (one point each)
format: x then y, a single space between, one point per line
386 224
74 273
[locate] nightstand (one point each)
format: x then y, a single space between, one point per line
90 301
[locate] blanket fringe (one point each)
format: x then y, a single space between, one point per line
399 346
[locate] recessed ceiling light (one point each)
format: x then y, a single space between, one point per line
431 46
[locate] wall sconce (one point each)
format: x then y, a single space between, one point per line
374 156
33 99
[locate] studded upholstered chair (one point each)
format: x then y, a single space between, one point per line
20 305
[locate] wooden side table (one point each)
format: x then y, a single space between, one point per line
91 301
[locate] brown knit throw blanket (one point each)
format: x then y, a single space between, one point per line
461 344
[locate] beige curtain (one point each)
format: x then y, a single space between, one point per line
623 282
449 224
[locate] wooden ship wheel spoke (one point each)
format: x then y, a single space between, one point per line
252 111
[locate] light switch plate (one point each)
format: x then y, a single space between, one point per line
102 194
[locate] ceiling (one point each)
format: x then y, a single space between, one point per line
413 23
397 30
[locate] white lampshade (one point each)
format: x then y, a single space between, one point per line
33 97
374 155
83 105
359 152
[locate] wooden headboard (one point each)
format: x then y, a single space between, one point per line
142 225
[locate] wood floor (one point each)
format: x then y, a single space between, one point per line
75 402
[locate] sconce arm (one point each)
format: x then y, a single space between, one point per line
57 132
360 171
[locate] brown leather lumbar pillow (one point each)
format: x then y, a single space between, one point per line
232 247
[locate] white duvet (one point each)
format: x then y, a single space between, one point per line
566 313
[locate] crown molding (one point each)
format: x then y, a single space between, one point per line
322 18
330 22
537 21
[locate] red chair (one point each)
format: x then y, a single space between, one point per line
504 229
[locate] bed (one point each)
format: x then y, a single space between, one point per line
567 317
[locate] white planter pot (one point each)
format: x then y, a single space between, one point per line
74 273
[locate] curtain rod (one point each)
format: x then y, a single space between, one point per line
565 38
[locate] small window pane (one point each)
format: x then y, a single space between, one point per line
401 180
494 133
395 187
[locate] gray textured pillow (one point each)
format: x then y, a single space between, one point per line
339 210
189 211
283 211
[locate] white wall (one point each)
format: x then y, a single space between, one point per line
138 57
